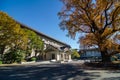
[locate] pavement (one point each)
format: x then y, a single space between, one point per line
55 71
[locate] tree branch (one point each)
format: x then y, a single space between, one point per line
106 15
113 15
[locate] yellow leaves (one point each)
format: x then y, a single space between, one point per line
16 38
106 32
104 4
12 34
98 17
117 3
106 45
89 40
101 4
99 21
109 44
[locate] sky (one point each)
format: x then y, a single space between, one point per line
40 15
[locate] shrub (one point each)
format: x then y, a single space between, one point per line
33 59
0 62
13 56
75 54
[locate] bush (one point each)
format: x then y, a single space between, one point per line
33 59
75 54
0 62
14 56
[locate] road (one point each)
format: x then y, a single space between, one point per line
55 72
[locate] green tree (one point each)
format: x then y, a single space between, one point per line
12 36
75 54
34 42
99 19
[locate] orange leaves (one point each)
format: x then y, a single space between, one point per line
107 32
89 40
99 19
111 45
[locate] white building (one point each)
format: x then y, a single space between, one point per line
89 53
58 50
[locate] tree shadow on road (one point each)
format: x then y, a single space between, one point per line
102 66
45 72
112 78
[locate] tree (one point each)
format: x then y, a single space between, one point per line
14 40
12 36
99 19
75 54
34 42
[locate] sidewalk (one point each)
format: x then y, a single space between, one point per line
30 63
39 62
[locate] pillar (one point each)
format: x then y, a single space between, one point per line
58 57
69 57
63 56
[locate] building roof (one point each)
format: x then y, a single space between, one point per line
90 49
42 34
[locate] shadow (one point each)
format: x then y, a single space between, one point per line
102 66
113 71
46 72
112 78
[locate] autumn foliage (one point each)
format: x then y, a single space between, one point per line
16 41
99 19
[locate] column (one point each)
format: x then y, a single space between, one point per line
58 57
63 56
69 57
33 53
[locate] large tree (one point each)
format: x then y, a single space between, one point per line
13 39
99 19
11 34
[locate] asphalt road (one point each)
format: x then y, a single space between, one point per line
55 72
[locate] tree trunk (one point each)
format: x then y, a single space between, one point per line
2 49
105 56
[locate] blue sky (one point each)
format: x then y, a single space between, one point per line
40 15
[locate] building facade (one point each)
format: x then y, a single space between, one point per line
55 49
90 53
